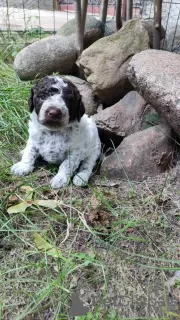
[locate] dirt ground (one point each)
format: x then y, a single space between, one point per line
135 252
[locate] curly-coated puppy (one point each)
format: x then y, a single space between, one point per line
60 133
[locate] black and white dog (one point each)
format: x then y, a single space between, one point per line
60 132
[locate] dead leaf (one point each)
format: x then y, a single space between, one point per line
43 245
21 207
27 188
29 192
47 248
12 199
51 204
18 208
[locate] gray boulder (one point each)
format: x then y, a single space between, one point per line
52 54
122 119
105 62
156 76
93 30
90 101
143 154
110 28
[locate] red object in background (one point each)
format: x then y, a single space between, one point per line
92 9
123 10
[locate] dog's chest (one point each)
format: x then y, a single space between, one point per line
53 146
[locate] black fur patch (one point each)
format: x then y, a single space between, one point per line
70 94
40 92
73 101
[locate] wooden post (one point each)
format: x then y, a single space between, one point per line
104 7
55 5
129 9
157 24
84 5
124 10
118 14
79 27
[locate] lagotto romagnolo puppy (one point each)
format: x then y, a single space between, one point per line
60 133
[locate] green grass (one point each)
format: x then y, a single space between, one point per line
106 243
11 42
13 109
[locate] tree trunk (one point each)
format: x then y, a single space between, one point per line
129 10
84 5
157 24
118 14
104 7
79 27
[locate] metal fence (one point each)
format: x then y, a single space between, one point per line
35 18
170 21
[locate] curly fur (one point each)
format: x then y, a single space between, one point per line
60 132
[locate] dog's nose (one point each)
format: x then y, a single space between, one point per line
54 112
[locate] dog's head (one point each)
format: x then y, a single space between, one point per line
56 102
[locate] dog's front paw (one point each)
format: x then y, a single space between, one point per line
59 181
21 169
80 179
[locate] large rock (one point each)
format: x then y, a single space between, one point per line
156 76
122 119
90 101
93 30
148 24
52 54
142 154
105 62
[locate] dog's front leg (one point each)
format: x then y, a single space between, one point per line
26 165
66 170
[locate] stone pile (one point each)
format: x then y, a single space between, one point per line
131 90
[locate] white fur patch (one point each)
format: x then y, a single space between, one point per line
60 83
74 147
57 102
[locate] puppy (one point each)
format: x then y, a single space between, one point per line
60 133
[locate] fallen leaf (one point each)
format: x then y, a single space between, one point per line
43 245
20 207
29 192
46 247
27 188
52 204
12 199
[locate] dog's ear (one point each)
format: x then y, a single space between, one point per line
80 109
30 101
73 100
